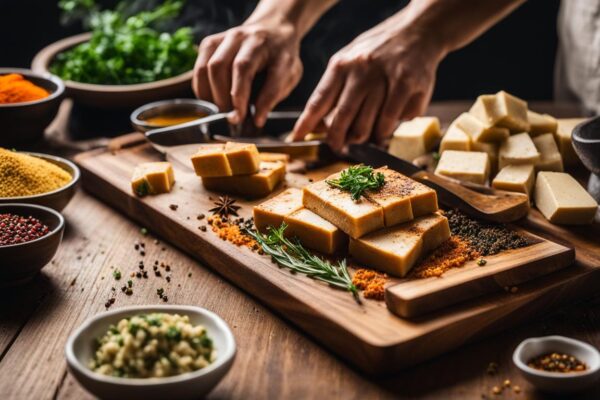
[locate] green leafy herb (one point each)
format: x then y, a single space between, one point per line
357 179
291 254
143 189
125 49
174 333
117 274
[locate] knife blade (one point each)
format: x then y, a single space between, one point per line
369 154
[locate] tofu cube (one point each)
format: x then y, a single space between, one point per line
414 138
243 158
273 211
541 123
479 131
271 157
516 178
503 110
550 158
455 139
518 149
314 232
210 160
465 166
257 185
152 178
562 200
492 150
563 139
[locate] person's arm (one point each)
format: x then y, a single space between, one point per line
387 73
269 39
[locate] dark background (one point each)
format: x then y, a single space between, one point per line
516 55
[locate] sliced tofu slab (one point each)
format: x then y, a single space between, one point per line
266 156
217 160
563 200
518 149
502 109
355 218
516 178
152 178
550 158
468 166
563 139
315 232
455 139
414 138
273 211
541 123
396 250
479 131
492 150
257 185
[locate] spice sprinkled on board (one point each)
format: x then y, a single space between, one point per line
232 231
371 282
557 362
453 253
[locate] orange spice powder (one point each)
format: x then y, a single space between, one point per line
453 253
231 232
14 88
372 283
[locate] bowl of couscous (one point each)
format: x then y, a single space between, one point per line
151 352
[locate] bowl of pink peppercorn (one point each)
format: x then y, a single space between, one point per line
29 238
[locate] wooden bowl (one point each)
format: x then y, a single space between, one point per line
112 96
24 123
56 199
19 263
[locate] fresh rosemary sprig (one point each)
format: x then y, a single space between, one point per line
357 179
291 254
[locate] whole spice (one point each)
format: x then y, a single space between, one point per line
14 88
225 206
557 362
371 282
15 229
357 179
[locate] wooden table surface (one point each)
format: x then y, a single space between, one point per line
274 359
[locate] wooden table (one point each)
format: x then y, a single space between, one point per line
274 360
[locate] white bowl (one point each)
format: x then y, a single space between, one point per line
79 351
556 382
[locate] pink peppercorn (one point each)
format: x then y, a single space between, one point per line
16 229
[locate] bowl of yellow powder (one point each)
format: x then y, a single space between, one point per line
35 178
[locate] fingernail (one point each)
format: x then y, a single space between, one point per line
233 118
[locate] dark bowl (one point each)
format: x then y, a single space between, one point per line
24 123
175 106
586 141
56 199
19 263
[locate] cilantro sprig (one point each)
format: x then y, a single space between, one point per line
358 179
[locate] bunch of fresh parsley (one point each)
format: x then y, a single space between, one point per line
125 49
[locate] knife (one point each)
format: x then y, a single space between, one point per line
496 205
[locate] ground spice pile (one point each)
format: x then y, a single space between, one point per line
25 175
453 253
372 283
16 89
232 231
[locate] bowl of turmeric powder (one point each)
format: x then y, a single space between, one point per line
28 103
35 178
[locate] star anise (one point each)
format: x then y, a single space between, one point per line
225 207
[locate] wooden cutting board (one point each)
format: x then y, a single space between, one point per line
368 334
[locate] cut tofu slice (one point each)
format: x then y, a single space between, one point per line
271 157
260 184
468 166
550 158
243 158
455 139
315 232
516 178
479 131
356 218
563 139
563 200
502 109
396 250
403 198
414 138
492 150
217 160
272 211
152 178
518 149
541 123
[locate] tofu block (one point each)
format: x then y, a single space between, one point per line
541 123
550 158
243 158
563 200
216 160
516 178
403 198
271 157
479 131
397 249
468 166
492 150
315 232
355 218
273 211
518 149
257 185
414 138
455 139
563 139
152 178
503 110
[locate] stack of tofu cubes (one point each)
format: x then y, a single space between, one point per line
389 229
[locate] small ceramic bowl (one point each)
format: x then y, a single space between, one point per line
24 123
556 382
19 263
194 385
586 141
195 107
56 199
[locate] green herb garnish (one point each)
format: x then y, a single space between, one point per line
117 274
143 189
174 333
291 254
358 179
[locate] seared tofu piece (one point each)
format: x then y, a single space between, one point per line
243 158
355 218
503 110
210 160
479 131
152 178
414 138
468 166
271 157
518 149
257 185
455 139
396 250
563 139
516 178
402 198
492 150
563 200
273 211
541 123
314 232
550 158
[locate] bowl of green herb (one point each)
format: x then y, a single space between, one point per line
127 59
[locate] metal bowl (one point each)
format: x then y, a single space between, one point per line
175 106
